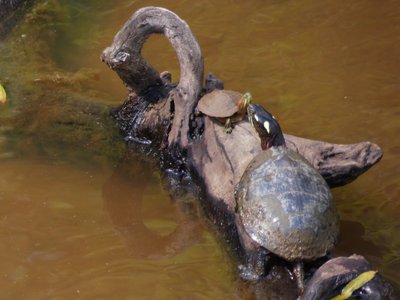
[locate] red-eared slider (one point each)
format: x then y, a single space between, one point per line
228 107
284 203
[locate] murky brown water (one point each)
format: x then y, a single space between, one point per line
327 70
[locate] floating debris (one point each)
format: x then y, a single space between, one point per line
3 95
355 284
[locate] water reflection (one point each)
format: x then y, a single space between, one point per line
124 194
353 233
67 231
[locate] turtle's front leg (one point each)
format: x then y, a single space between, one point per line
228 126
254 268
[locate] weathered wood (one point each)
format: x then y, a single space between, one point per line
124 56
164 114
339 164
225 154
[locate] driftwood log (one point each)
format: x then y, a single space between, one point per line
156 109
162 114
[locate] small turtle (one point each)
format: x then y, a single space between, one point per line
227 107
284 203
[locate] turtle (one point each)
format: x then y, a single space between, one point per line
226 106
284 204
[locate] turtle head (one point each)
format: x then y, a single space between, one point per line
266 125
246 99
244 103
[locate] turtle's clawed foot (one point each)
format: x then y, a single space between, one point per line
228 126
248 272
255 267
228 130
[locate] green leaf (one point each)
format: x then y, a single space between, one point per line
3 95
355 284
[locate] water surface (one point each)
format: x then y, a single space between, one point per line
328 71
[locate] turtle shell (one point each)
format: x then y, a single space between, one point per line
219 103
286 206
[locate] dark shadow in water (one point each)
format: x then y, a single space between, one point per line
123 194
352 237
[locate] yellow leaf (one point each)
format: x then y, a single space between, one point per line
355 284
3 95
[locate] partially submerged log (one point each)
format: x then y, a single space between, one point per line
163 114
329 280
153 104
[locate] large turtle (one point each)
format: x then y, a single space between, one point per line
284 203
226 106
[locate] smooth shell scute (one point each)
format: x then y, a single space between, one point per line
286 206
219 103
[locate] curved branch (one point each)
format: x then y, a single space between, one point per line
124 57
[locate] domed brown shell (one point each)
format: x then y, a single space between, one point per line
219 103
286 206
